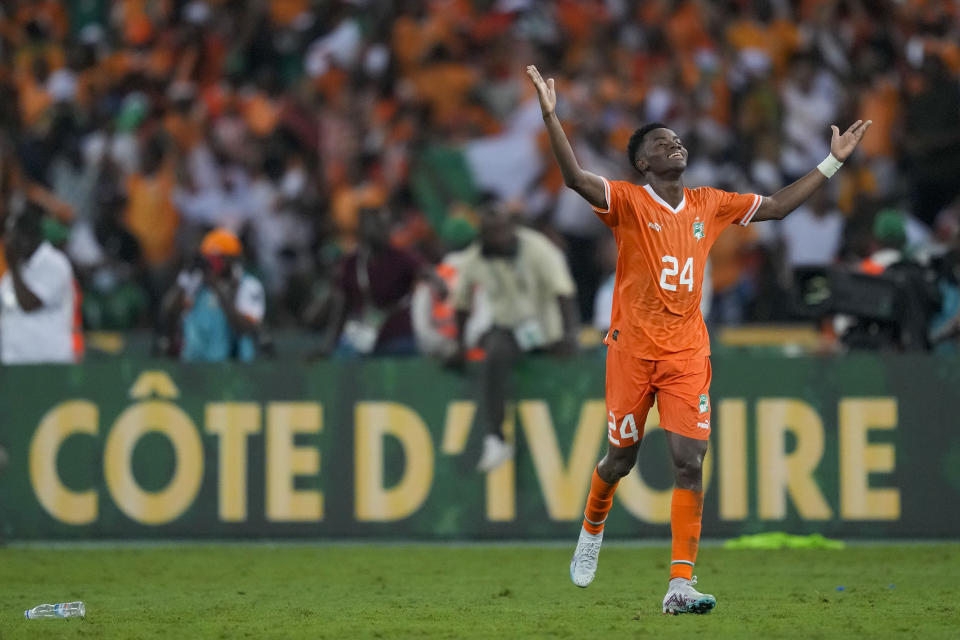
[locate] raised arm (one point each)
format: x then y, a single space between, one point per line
588 185
777 206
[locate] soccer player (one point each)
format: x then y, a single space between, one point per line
657 342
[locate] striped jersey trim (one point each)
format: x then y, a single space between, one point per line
596 524
606 194
682 562
757 201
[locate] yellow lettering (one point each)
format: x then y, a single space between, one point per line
168 504
732 453
501 483
64 420
778 472
285 460
456 427
233 423
153 383
859 416
375 421
564 486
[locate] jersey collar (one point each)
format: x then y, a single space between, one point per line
653 194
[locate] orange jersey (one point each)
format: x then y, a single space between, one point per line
662 252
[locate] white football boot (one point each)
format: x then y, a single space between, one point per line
583 566
683 598
495 453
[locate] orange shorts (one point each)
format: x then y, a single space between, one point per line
680 387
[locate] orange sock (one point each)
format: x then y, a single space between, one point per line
686 511
598 503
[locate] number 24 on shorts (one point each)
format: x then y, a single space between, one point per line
626 434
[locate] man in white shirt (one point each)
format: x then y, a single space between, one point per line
530 292
37 297
813 233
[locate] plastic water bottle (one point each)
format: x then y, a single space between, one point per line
62 610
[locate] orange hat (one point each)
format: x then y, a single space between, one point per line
221 242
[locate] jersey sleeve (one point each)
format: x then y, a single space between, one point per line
738 208
614 194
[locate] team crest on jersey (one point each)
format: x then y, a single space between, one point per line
698 230
704 403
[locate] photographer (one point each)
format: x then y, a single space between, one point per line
220 307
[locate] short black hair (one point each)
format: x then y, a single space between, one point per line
487 197
637 139
488 204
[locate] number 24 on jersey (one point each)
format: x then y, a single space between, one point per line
670 271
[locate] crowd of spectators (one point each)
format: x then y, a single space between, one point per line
140 125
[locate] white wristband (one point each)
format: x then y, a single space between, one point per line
829 166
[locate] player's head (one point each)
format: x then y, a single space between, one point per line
654 147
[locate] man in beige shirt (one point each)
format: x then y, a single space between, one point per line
531 294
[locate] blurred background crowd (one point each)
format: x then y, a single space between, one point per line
134 127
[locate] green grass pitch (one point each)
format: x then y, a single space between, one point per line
445 591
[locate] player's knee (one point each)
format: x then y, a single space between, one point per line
688 471
624 467
618 467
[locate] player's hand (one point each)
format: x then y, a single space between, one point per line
841 146
545 91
